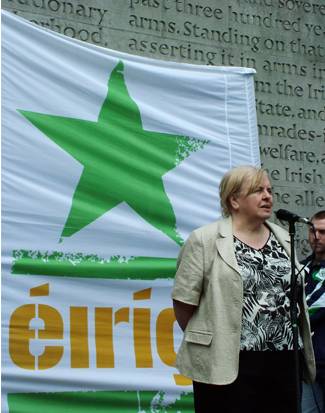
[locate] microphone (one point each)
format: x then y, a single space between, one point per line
284 215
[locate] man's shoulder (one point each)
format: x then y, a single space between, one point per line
308 260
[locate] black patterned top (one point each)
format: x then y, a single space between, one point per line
266 310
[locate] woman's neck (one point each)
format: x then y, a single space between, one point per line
242 224
254 233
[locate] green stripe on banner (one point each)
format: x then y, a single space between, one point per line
61 264
98 402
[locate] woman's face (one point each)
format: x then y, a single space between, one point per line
257 204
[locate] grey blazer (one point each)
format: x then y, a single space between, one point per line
208 277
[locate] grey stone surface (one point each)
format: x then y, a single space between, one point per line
282 39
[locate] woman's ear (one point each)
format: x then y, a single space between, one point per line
233 204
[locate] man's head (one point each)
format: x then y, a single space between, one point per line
316 235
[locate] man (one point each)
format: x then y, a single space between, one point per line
314 395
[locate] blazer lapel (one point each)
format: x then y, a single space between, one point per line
225 244
284 241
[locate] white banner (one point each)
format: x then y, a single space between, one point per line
109 162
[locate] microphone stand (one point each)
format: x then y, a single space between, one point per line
293 314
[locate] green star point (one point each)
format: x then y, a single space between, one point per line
122 162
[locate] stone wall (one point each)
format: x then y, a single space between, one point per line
282 39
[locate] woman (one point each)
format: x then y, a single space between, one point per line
231 298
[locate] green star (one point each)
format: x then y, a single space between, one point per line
121 161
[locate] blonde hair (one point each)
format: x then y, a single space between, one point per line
232 183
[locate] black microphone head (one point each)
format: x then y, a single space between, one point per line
284 215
